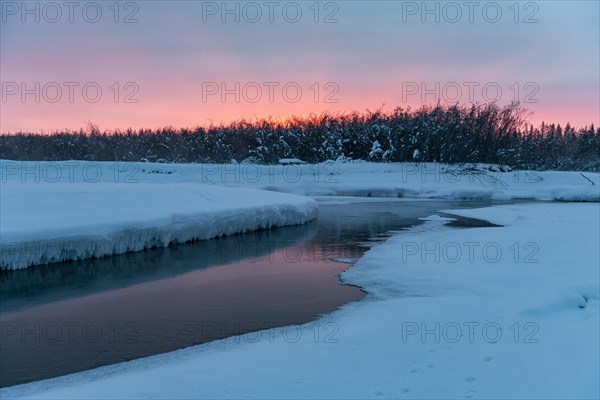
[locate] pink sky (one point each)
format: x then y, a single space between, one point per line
370 57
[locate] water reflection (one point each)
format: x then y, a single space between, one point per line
64 280
62 318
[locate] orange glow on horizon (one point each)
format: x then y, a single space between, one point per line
144 117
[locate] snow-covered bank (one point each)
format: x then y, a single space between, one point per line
508 312
425 180
44 222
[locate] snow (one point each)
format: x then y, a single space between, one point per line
51 222
523 296
46 205
289 161
410 180
541 289
437 218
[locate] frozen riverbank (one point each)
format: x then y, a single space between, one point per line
425 180
51 222
70 210
509 312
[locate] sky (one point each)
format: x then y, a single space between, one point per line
151 64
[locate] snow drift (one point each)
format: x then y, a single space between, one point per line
51 222
508 325
332 178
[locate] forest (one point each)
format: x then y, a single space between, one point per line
436 133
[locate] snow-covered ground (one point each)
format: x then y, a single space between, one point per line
506 312
51 222
503 312
56 211
426 180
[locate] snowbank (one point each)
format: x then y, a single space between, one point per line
515 317
50 222
425 180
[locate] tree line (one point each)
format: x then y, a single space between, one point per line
443 133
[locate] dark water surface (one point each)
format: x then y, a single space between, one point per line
63 318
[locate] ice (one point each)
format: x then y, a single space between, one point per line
547 310
524 294
345 260
51 222
437 218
